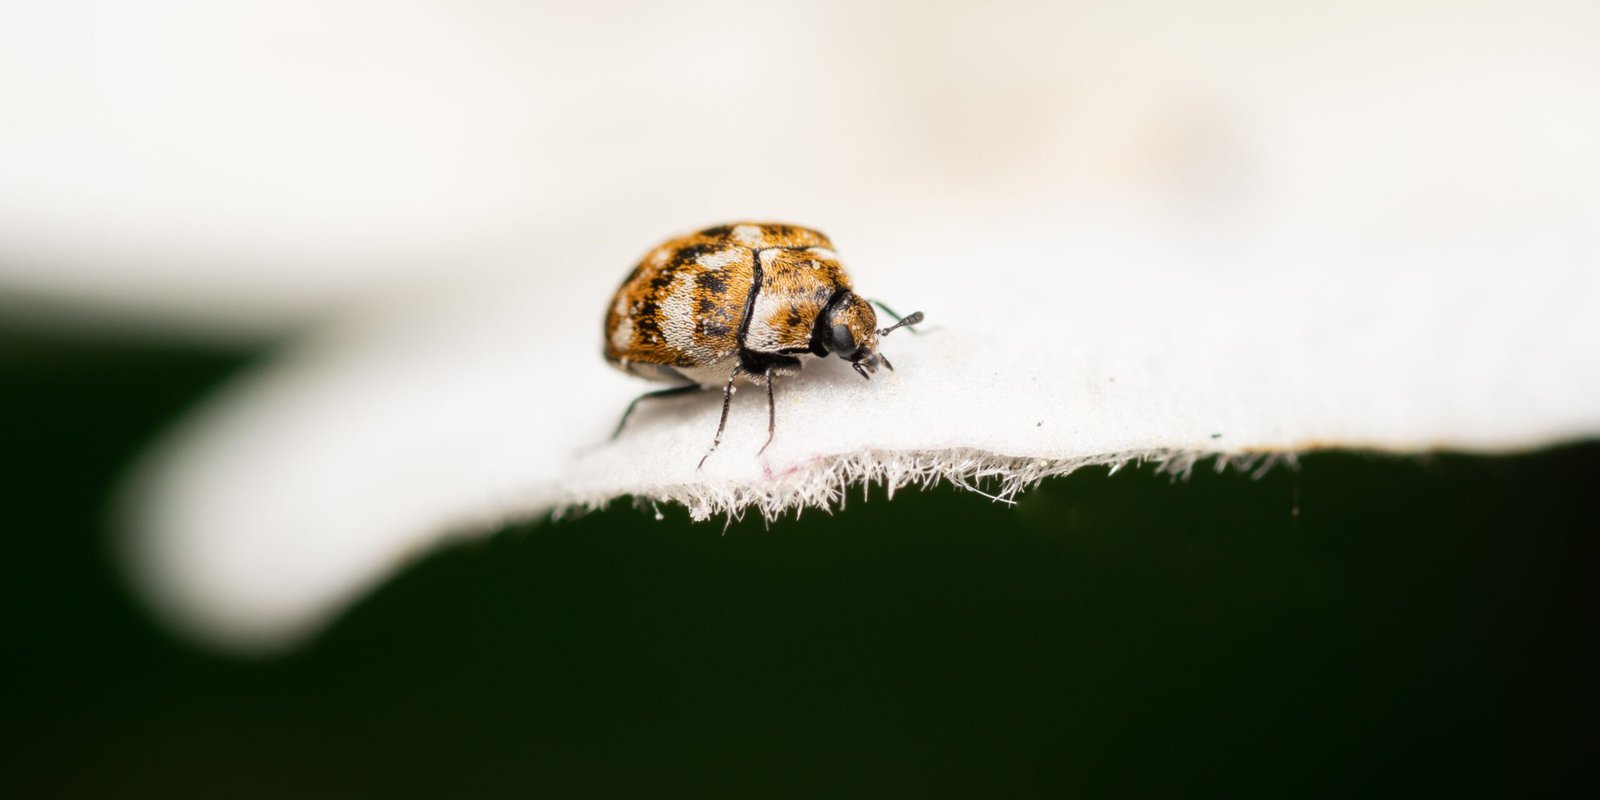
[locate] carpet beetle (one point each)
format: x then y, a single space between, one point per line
740 302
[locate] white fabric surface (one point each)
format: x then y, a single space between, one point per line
373 442
1136 235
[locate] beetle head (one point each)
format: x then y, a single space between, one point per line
848 328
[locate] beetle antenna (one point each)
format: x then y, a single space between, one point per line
897 318
914 318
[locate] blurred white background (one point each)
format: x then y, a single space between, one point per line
241 169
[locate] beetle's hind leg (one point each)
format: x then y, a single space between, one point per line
722 424
672 392
772 411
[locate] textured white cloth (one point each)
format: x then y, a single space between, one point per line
1136 234
373 442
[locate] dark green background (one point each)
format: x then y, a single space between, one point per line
1362 625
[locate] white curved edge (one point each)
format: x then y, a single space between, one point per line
295 490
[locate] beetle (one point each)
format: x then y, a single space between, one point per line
742 302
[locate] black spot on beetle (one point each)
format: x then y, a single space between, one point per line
706 327
712 282
687 254
718 232
646 322
705 306
664 278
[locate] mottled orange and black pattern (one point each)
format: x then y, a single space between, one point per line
682 312
796 286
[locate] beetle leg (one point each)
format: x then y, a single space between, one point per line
772 412
676 390
727 402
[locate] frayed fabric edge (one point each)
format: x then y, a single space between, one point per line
825 483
